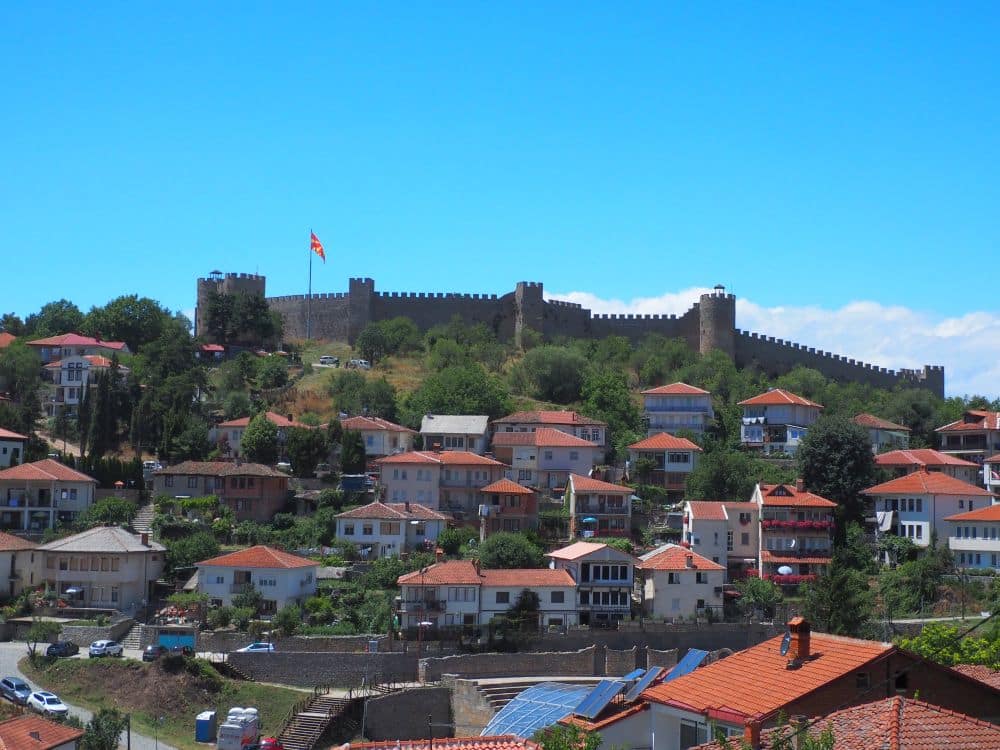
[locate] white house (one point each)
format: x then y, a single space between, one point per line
390 529
586 428
604 577
70 378
66 345
673 459
230 433
796 532
974 437
105 567
725 532
11 447
883 434
974 538
902 462
34 496
598 508
776 421
546 457
281 578
17 560
677 582
991 474
556 590
916 505
449 481
380 436
678 406
446 432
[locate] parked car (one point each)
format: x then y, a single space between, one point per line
270 743
326 359
257 648
105 648
45 702
62 648
15 689
182 650
359 364
153 651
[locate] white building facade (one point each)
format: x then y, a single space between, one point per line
280 577
675 407
391 529
678 583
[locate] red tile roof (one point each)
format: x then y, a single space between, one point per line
220 469
779 397
980 672
506 487
895 723
587 484
30 732
768 556
394 511
986 513
6 339
926 483
527 577
278 420
675 557
95 360
11 543
576 550
259 556
543 437
663 441
213 348
758 681
974 420
675 389
549 417
450 458
991 460
877 423
8 435
75 339
497 742
708 510
373 423
786 495
920 457
451 572
46 470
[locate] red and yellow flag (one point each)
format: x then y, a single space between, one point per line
316 246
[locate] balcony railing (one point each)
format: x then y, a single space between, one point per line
790 580
424 605
770 523
798 552
675 408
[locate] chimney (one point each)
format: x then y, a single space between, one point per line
751 734
800 485
438 554
689 560
144 538
799 649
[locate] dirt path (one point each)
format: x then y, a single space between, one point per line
72 449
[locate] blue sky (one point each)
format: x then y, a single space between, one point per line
811 157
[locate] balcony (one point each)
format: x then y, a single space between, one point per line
770 524
967 544
790 580
425 605
675 408
799 552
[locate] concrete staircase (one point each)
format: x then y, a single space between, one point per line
143 521
311 722
133 638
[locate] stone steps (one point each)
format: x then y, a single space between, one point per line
143 521
133 639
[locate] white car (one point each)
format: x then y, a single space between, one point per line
257 648
105 648
45 702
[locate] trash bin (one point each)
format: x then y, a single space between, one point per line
373 647
204 727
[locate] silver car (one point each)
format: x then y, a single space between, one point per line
15 689
105 648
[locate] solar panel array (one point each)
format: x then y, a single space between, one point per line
598 700
648 677
537 707
692 659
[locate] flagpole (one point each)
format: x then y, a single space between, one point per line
309 302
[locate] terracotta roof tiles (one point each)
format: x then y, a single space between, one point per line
981 673
260 556
986 513
543 437
920 457
46 470
665 442
786 495
11 543
449 458
498 742
708 510
458 572
877 423
974 420
779 397
30 732
373 423
675 557
6 339
506 487
75 339
278 420
675 389
588 484
220 469
394 511
926 483
527 577
9 435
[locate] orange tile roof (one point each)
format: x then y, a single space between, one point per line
895 723
46 470
496 742
974 420
506 487
708 510
991 460
75 339
757 681
451 458
394 511
606 717
779 397
543 437
986 513
920 457
260 556
587 484
877 423
8 435
926 483
6 339
11 543
449 572
95 360
527 577
30 732
768 556
663 441
562 417
675 389
786 495
674 557
980 672
576 550
278 420
373 423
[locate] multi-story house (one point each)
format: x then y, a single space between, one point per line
725 532
280 577
11 447
507 506
380 436
677 582
598 508
34 496
974 437
229 435
446 432
54 348
974 538
796 532
253 491
585 428
776 421
902 462
883 434
104 567
675 407
556 591
915 506
17 560
390 529
449 481
672 459
991 474
70 377
604 579
546 457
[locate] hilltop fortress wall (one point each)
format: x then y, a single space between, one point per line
709 324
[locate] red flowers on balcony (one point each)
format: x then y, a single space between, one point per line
771 523
791 580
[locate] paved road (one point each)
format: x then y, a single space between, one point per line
12 652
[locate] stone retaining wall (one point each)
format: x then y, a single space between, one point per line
573 663
309 669
403 715
84 635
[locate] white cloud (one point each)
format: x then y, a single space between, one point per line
888 336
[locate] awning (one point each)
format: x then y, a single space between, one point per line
884 518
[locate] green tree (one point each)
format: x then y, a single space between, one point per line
54 319
306 448
836 461
41 631
352 453
457 390
451 540
113 511
260 440
272 372
523 613
606 396
946 645
353 393
19 371
509 550
104 730
129 318
554 373
249 599
191 549
288 618
723 474
839 601
12 324
567 737
371 343
758 595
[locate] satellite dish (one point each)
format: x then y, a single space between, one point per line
792 545
785 570
786 643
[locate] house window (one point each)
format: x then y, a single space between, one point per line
673 577
558 597
387 528
220 579
745 539
920 531
574 455
503 597
192 482
701 577
548 455
862 680
168 481
115 562
366 529
920 505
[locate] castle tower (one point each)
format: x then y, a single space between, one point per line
717 322
529 309
360 306
217 283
